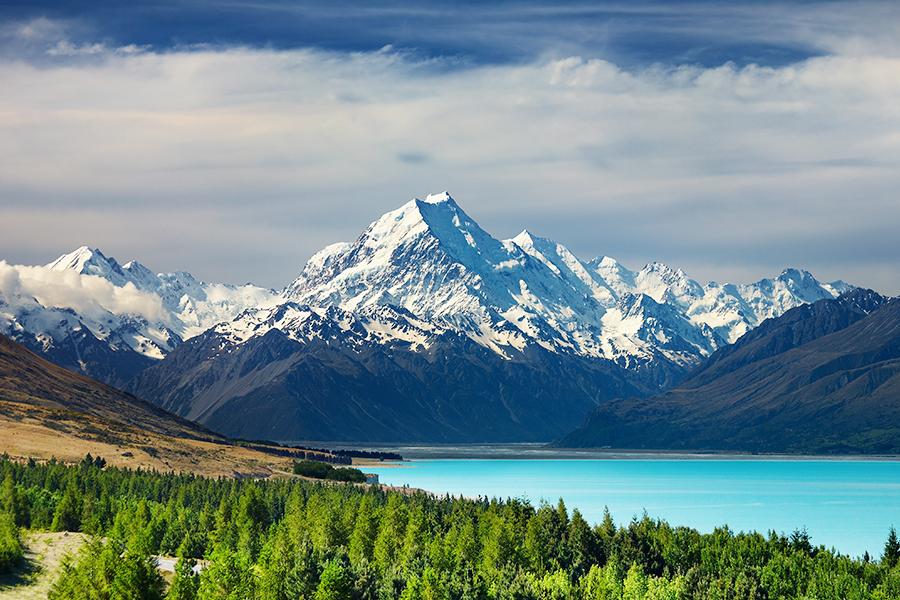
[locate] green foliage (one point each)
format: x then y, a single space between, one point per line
185 584
11 551
334 582
321 470
228 577
68 512
891 549
108 571
284 539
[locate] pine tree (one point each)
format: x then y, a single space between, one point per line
67 516
229 576
186 582
334 583
362 540
11 551
582 542
891 549
11 502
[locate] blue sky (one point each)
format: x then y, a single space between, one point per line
628 33
234 139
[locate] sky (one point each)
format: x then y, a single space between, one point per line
234 139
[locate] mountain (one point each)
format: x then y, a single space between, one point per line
430 258
326 374
88 313
47 411
427 328
821 378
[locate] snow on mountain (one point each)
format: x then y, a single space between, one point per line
86 302
415 275
433 261
427 328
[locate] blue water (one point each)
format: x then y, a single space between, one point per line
844 504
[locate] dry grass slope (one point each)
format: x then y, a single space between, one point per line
47 411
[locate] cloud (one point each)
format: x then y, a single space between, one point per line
67 48
239 162
88 295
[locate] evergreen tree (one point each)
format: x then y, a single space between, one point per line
11 503
582 545
635 585
136 578
185 583
891 549
393 527
334 583
285 539
68 512
365 528
103 570
229 576
11 551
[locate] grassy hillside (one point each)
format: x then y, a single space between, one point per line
47 411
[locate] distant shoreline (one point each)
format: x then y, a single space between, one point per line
540 451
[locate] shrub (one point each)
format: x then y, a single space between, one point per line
11 551
320 470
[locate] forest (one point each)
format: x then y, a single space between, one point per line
289 538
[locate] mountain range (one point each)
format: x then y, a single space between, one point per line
425 328
86 312
822 378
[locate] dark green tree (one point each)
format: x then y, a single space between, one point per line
334 583
185 583
891 549
67 516
11 551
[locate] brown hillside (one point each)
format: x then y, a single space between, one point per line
47 411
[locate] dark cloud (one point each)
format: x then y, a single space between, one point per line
629 33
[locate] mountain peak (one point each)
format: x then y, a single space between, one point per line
605 261
76 259
88 261
791 273
658 267
526 239
439 198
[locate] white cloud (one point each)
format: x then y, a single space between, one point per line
90 296
238 163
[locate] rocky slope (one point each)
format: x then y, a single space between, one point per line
427 328
823 377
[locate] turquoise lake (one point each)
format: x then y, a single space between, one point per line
845 504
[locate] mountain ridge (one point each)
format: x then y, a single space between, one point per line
90 314
422 288
822 378
424 303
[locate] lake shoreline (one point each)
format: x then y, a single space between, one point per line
541 451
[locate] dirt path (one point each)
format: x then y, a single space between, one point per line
43 554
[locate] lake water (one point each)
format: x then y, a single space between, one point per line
845 504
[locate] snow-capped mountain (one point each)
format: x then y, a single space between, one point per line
422 323
433 260
426 318
87 312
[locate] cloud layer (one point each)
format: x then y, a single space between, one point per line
89 296
237 163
